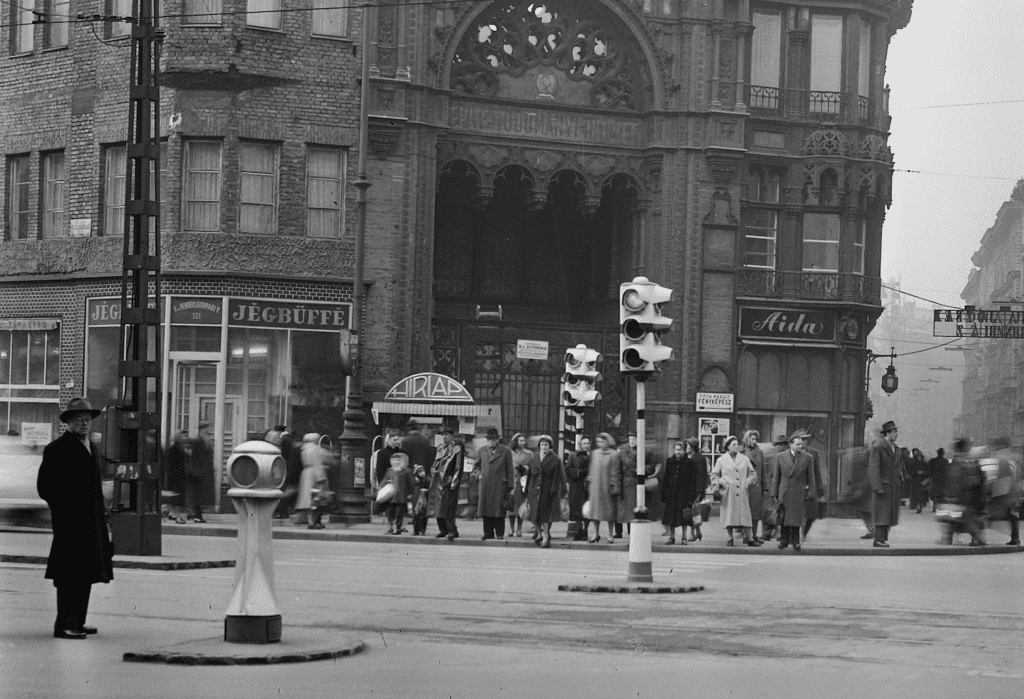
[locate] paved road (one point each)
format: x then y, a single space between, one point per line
481 622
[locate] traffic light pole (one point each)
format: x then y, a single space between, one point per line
640 565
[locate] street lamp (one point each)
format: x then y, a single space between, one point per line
890 382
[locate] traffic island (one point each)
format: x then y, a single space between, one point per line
633 588
308 646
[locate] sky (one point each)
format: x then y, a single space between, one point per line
953 52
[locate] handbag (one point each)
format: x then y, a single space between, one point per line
651 484
950 513
564 510
524 511
321 495
507 503
687 514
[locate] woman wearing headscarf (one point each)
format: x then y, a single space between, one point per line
699 465
732 475
681 488
604 462
545 487
314 471
521 458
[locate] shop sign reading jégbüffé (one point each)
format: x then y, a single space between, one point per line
288 314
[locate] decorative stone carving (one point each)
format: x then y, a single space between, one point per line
597 165
874 147
488 156
542 160
825 142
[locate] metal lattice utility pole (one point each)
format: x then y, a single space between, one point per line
132 434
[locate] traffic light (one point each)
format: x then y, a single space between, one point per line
581 376
642 325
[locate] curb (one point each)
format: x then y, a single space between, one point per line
692 549
633 588
216 651
127 563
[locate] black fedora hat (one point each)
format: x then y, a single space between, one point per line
78 405
888 427
492 433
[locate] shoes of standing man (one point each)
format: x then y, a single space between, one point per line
69 633
88 630
869 535
440 535
880 545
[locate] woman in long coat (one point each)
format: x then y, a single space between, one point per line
521 458
314 470
604 462
179 463
681 487
624 486
81 552
733 475
752 451
576 472
703 474
545 487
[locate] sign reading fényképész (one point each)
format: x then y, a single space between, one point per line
976 322
714 402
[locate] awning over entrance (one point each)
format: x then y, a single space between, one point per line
440 409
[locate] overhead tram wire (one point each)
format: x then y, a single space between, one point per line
921 298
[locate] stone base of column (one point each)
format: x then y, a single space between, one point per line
252 629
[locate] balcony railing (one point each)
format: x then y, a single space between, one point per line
809 105
824 286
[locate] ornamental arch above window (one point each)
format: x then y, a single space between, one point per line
555 51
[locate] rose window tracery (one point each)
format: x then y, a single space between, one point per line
514 38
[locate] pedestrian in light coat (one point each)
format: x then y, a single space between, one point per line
314 475
885 469
545 488
604 462
752 451
496 474
81 553
793 485
732 476
521 458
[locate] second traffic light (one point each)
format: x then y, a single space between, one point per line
641 327
581 376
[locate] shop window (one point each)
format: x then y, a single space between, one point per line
330 18
258 374
760 228
318 379
22 28
102 357
195 338
258 212
18 184
54 194
766 57
265 14
201 194
325 192
821 242
201 12
55 30
29 378
119 8
826 63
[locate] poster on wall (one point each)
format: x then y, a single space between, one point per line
712 432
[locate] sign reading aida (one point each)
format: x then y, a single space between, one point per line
788 324
972 322
429 388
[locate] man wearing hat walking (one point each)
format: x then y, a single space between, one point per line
81 553
885 470
496 480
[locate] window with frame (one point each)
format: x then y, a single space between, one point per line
864 62
330 18
860 237
22 29
821 242
119 8
55 30
29 374
258 201
766 50
116 170
202 12
760 231
265 14
658 8
826 63
201 190
18 185
54 195
325 192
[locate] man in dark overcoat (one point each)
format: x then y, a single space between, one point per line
885 470
771 465
937 474
496 480
200 481
793 485
81 553
576 471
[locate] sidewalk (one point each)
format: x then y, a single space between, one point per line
916 535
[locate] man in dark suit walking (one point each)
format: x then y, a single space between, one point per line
885 470
81 553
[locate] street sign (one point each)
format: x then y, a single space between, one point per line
978 323
532 349
714 402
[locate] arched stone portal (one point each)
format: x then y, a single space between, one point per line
541 203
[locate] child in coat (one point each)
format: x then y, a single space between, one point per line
419 501
400 475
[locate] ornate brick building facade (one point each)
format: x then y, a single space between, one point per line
526 156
